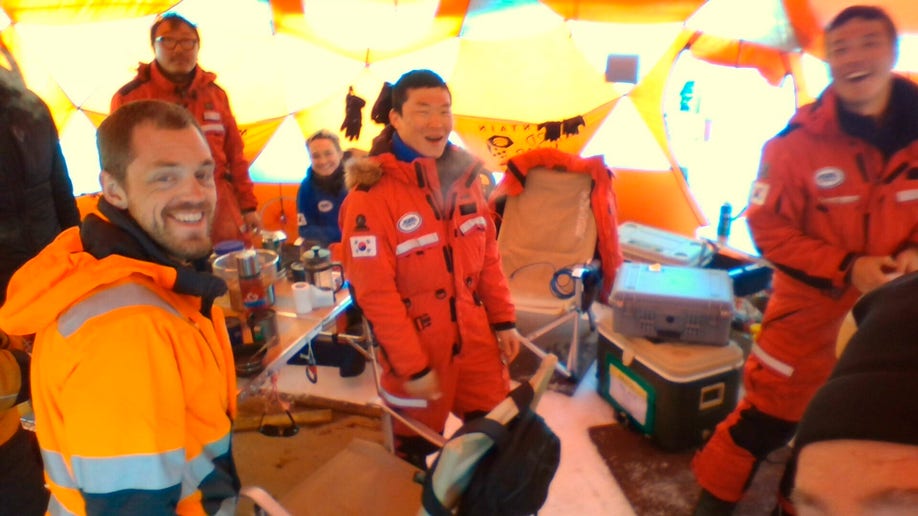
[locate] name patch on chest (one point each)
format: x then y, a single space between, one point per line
325 206
829 177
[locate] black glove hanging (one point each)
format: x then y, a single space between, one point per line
572 125
383 104
552 130
353 118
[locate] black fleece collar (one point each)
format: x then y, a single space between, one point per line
332 183
898 127
121 236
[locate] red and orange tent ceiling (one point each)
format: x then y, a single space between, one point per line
279 66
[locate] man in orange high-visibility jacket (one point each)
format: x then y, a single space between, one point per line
421 255
133 384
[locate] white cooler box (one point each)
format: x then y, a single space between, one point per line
640 243
669 302
676 393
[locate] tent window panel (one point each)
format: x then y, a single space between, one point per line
717 119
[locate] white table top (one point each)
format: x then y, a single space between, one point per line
295 331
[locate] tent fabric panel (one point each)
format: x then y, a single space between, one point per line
771 63
256 135
55 12
625 11
489 77
647 96
277 207
656 199
496 141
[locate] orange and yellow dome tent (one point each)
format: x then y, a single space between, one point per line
288 64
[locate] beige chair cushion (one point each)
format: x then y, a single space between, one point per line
549 226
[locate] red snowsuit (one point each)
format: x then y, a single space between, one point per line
210 106
425 269
602 199
822 198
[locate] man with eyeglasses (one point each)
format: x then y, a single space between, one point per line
174 76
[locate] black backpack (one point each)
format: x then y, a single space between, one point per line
513 476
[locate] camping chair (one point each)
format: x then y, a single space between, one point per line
558 241
367 478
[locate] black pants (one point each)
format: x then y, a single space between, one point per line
22 483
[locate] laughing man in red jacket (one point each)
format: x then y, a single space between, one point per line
835 209
421 256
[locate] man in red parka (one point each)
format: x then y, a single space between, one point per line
835 210
174 76
421 255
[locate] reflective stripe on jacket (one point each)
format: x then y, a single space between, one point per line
423 265
133 388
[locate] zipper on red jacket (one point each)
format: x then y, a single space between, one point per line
433 206
862 167
448 258
451 205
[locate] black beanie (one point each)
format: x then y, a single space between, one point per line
872 393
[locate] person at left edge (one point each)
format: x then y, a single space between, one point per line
36 203
133 383
175 76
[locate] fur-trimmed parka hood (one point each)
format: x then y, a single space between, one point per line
362 172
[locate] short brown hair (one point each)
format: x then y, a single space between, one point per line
324 134
115 134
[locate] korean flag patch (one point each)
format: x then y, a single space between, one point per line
363 246
759 193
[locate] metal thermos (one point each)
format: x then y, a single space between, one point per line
726 219
254 294
274 240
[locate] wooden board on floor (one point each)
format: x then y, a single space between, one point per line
278 464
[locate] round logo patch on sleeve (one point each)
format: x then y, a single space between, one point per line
409 222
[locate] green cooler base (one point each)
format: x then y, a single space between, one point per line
675 393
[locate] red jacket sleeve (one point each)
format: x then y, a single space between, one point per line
777 215
236 164
368 241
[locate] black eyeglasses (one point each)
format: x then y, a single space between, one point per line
170 43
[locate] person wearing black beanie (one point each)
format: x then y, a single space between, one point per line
856 448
